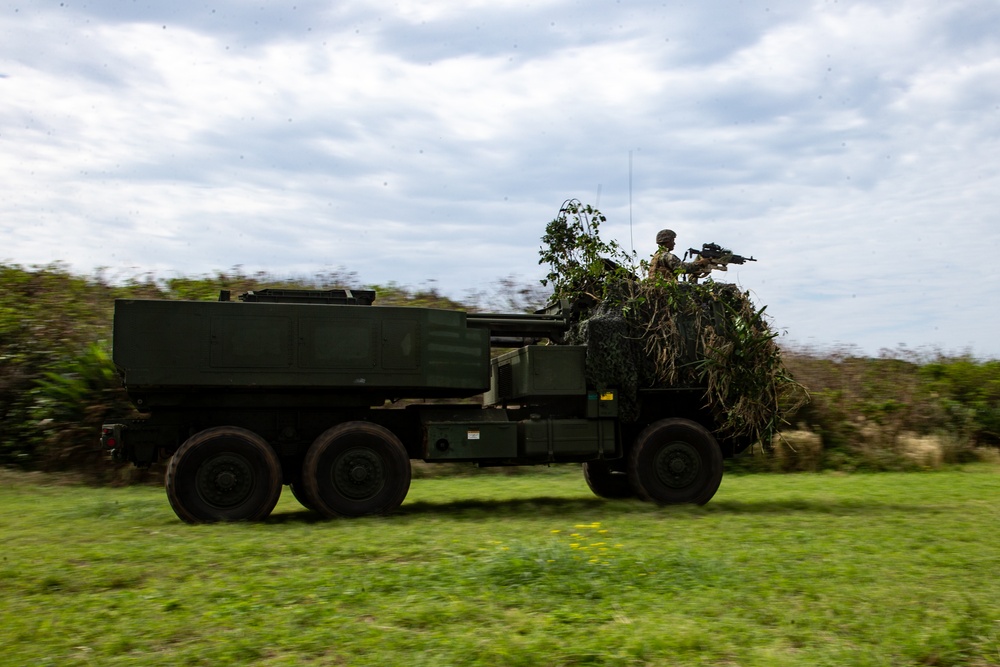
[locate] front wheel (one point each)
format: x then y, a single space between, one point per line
676 461
223 474
356 468
606 482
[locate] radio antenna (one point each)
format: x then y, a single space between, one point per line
630 239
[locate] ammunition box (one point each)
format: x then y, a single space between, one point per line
537 371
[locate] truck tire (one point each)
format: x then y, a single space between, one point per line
356 468
299 491
605 482
676 461
223 474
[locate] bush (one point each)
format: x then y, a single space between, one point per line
899 410
797 451
69 407
46 317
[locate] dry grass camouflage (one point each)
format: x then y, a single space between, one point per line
665 333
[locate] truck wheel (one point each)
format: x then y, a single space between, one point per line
223 474
299 491
676 461
356 468
605 482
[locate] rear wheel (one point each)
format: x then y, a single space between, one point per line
356 468
299 491
607 482
223 474
676 461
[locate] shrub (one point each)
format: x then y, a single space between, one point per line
798 450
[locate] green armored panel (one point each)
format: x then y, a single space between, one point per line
553 438
537 371
470 440
391 351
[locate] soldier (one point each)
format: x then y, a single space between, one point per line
666 264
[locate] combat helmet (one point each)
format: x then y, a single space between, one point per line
664 236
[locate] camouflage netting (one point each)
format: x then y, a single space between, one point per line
614 356
662 333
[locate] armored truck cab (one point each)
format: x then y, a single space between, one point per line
333 395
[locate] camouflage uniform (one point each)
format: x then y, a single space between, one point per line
665 263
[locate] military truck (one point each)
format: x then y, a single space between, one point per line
332 395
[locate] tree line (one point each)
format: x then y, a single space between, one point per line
58 383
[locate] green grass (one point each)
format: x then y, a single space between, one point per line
877 569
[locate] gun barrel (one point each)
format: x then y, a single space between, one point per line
505 328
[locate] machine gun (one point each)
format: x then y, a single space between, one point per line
714 258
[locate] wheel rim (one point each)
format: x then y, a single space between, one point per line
677 465
358 473
225 481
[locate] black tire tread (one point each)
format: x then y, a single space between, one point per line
177 472
644 449
394 457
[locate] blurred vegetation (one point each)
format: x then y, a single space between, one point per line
58 385
902 409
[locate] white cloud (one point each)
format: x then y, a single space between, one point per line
851 147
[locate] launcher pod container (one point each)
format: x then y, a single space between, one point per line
334 396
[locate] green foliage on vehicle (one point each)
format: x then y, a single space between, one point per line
659 332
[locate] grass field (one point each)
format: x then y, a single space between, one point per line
867 569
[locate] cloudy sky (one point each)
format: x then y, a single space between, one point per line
852 147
